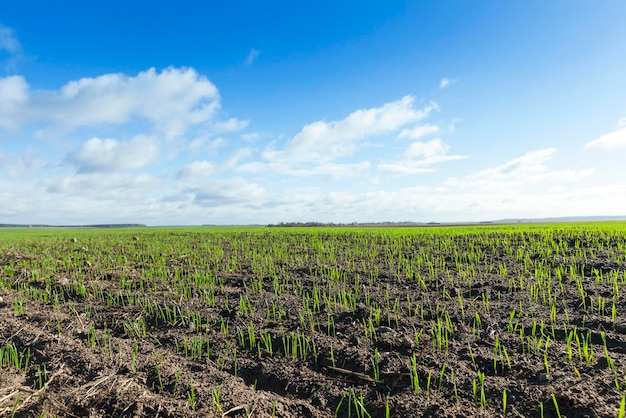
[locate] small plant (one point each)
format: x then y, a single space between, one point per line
471 354
157 370
216 398
266 338
42 376
92 338
191 395
443 370
387 407
545 357
19 307
556 405
376 365
17 402
353 400
454 388
479 391
175 389
415 379
133 363
587 349
10 356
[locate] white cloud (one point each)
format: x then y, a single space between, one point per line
19 167
123 186
196 144
237 156
621 123
203 143
323 141
525 171
230 125
419 156
522 187
111 155
13 96
203 168
217 143
427 150
8 41
333 170
172 100
252 56
418 132
611 141
197 169
233 191
251 136
452 125
342 171
446 82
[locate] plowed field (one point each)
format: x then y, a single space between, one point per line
466 321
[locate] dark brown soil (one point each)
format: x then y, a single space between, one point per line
111 322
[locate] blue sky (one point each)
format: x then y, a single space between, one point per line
173 113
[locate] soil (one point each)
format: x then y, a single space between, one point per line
123 324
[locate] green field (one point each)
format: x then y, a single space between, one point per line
509 320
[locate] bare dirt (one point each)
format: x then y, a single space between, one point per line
109 349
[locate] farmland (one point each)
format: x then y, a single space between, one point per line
524 320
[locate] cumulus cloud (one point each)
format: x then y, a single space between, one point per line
527 170
610 141
323 141
621 123
419 156
112 155
172 100
523 187
418 132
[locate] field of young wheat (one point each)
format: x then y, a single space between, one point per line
524 320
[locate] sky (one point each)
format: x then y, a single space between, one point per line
249 112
